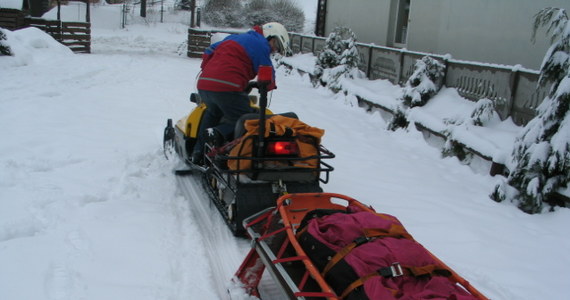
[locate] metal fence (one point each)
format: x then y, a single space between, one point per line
514 90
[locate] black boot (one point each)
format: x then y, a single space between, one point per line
214 138
197 158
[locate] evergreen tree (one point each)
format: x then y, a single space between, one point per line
339 58
484 113
4 48
424 83
541 156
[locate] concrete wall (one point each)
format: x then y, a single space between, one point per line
369 19
490 31
494 31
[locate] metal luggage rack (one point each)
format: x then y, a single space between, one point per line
278 172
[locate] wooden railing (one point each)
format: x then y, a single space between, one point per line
75 35
12 19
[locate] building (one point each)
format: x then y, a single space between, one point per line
491 31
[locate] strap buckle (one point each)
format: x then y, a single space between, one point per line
395 270
360 240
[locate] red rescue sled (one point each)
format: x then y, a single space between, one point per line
288 241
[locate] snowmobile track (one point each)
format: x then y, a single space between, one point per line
224 252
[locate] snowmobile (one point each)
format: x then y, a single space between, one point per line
264 160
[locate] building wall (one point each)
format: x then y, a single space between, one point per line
367 18
494 31
490 31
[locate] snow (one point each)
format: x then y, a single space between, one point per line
14 4
90 209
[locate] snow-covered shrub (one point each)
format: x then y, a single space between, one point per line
237 14
455 149
4 48
224 13
541 157
183 4
399 120
484 113
339 59
424 83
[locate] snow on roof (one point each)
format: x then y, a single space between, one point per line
15 4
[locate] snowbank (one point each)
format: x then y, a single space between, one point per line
31 46
446 114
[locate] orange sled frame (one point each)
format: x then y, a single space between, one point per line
275 248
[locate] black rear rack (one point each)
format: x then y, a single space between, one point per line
285 173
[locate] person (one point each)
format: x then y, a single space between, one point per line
226 69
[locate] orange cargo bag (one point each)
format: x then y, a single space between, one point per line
308 138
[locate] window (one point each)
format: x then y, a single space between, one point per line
403 14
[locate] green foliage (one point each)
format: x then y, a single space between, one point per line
4 48
424 83
399 120
339 58
484 112
541 155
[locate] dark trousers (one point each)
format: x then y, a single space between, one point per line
222 112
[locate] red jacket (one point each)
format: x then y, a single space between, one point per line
228 65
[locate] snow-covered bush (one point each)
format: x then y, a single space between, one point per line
237 14
183 4
424 83
339 59
399 120
484 113
224 13
283 11
541 157
4 48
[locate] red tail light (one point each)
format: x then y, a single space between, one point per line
282 148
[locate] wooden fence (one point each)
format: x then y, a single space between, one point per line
75 35
12 18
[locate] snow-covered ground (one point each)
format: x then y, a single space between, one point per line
89 207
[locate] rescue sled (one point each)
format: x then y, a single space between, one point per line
269 155
290 242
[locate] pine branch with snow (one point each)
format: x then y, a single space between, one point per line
4 48
557 58
484 113
541 157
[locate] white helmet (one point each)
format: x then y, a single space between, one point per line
276 30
